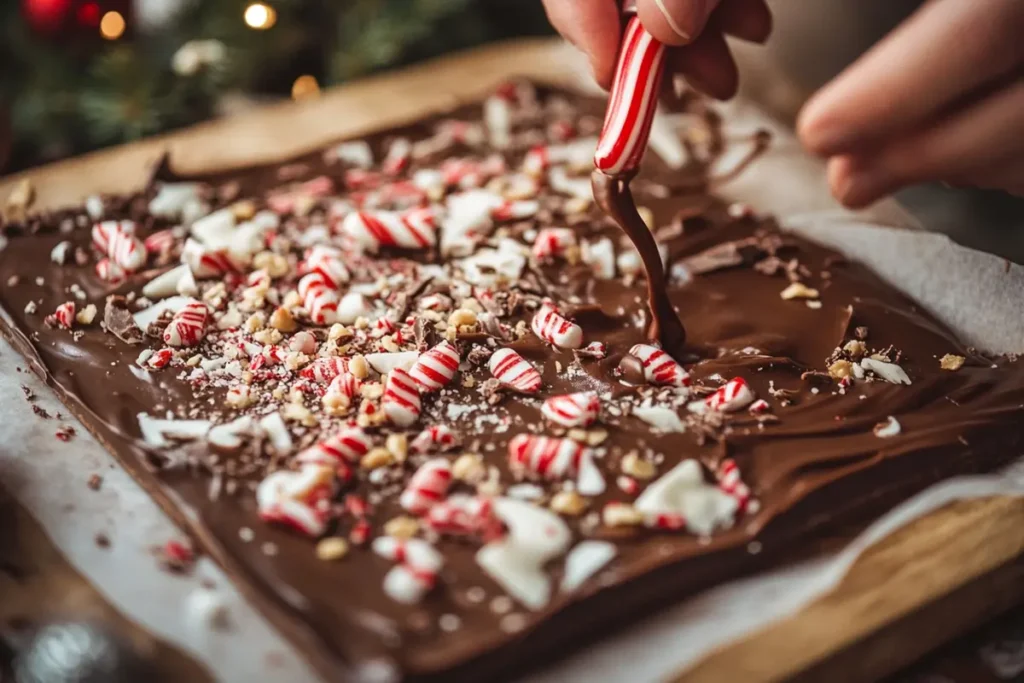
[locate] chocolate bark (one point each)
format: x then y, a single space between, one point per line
812 459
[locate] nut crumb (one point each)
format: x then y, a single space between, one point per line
952 362
331 549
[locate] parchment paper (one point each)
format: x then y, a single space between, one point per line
976 294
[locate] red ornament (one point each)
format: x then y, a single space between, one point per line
46 16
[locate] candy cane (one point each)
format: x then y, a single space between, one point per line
632 103
401 402
463 515
435 368
416 571
398 157
325 369
318 298
515 210
64 315
296 499
110 272
514 372
659 367
572 410
427 486
434 437
553 242
733 395
160 242
413 229
205 262
344 385
730 481
337 452
117 241
545 456
552 327
188 326
330 263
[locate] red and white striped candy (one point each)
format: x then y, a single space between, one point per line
398 157
659 367
160 358
65 315
730 482
433 438
572 410
188 326
318 298
435 368
761 406
117 241
412 229
338 451
205 262
427 486
514 372
325 369
463 132
463 515
160 242
515 210
330 263
285 202
595 349
554 328
553 242
296 499
415 572
632 103
577 155
733 395
545 456
108 271
401 402
344 385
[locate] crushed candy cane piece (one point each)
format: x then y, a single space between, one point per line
401 402
427 486
551 326
572 410
117 241
435 368
734 395
434 438
188 326
659 367
513 371
417 565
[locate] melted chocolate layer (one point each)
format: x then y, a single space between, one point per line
813 461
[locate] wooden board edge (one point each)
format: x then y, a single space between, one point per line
935 578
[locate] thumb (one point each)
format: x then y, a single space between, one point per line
675 22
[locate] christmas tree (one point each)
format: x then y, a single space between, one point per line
83 74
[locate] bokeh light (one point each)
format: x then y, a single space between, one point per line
260 16
112 25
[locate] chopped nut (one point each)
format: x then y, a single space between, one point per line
18 201
358 367
568 503
855 348
336 404
402 527
378 457
281 319
268 335
841 369
332 548
86 315
799 290
621 514
338 331
255 323
239 397
462 316
362 323
469 468
372 390
292 300
244 210
578 435
635 466
398 445
951 362
596 437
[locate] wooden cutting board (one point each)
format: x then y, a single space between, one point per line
934 579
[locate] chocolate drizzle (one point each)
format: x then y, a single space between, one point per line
663 325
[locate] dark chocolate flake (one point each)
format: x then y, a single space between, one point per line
118 321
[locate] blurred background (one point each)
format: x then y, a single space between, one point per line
77 75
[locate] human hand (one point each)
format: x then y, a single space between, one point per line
940 98
594 26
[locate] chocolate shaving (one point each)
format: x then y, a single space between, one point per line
725 255
118 320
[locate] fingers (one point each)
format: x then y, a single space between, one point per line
707 65
972 144
594 27
749 20
675 22
945 51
